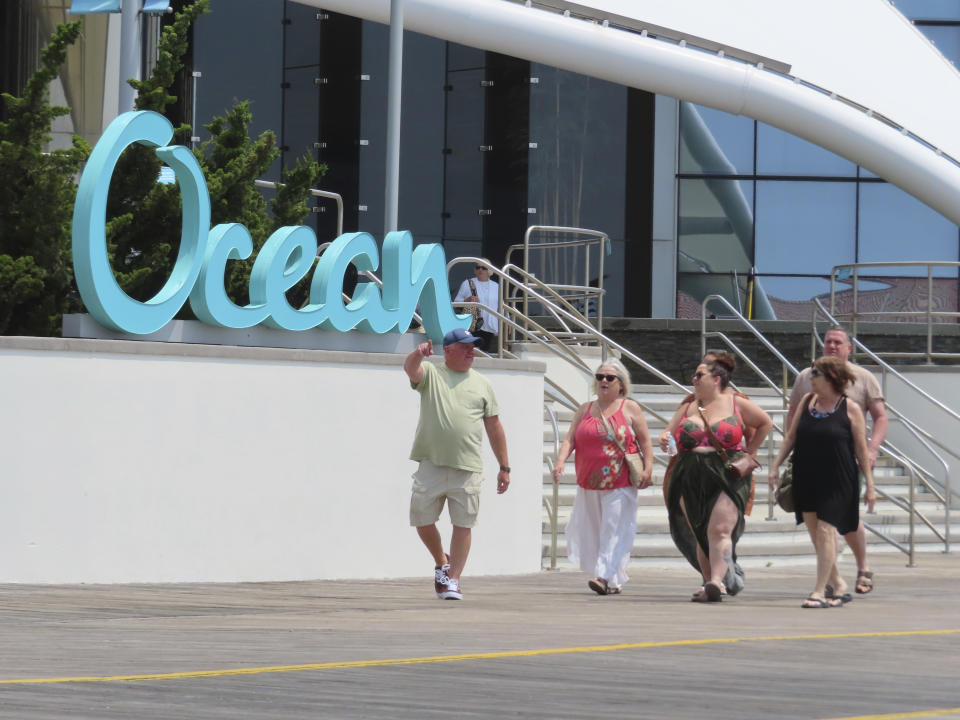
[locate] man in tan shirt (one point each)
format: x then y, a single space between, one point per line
864 391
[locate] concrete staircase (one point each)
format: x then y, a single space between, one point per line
771 536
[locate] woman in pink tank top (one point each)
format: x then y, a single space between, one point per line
603 524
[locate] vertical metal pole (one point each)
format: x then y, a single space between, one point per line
603 251
194 138
913 512
129 53
856 304
813 335
394 83
929 314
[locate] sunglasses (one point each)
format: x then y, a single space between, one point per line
815 373
608 378
698 375
480 267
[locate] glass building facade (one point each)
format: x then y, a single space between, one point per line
492 144
764 216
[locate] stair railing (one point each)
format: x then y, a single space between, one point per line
550 252
554 506
915 471
526 288
844 272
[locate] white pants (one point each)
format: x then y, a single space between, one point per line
601 532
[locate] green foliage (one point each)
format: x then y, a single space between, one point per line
231 162
154 92
36 202
143 216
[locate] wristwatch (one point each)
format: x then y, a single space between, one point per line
505 468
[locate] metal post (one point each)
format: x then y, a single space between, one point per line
856 306
129 53
394 83
913 512
929 314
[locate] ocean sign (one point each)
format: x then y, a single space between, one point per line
410 275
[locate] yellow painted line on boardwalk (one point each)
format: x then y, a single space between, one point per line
898 716
461 658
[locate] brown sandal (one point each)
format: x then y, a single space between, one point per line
599 586
714 591
864 581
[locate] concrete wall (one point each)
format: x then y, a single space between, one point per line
941 383
163 462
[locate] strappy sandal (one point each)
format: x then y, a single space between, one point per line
599 586
864 582
714 591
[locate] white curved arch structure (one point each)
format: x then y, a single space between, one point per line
858 51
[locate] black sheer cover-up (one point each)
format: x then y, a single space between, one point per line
825 476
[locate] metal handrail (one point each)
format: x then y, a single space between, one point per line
929 314
785 363
553 509
316 193
594 237
514 320
558 307
548 290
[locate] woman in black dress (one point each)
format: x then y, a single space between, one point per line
828 437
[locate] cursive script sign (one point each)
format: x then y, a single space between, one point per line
409 275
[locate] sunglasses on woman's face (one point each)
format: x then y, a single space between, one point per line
608 378
815 373
698 375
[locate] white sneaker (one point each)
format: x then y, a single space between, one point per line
440 579
453 590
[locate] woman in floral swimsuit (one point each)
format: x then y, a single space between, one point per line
705 502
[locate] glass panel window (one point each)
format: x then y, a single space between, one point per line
780 153
715 142
460 57
715 227
789 298
692 288
945 38
930 9
895 226
805 227
464 166
577 167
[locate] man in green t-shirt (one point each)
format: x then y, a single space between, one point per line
455 401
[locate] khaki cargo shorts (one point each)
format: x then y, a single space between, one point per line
433 484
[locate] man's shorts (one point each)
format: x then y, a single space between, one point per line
432 484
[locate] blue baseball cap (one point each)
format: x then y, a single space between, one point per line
459 335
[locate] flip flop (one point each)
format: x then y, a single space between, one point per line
599 586
613 590
829 593
864 582
812 603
